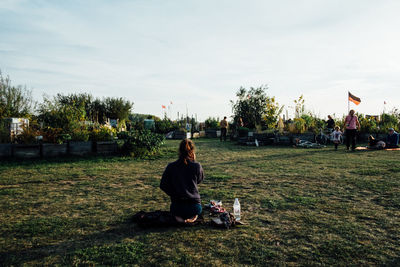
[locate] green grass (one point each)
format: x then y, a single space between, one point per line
300 206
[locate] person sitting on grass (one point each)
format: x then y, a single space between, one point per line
375 144
180 180
392 140
336 136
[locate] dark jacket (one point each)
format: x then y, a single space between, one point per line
331 124
393 139
180 181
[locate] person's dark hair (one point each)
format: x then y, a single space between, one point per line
186 150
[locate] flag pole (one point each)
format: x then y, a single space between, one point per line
348 102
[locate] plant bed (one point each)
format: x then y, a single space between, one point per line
244 140
212 133
283 140
179 135
26 151
264 138
5 150
106 147
54 150
305 136
79 148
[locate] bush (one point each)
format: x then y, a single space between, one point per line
123 135
52 135
80 134
298 126
165 126
212 123
388 121
142 143
28 136
368 125
309 123
102 133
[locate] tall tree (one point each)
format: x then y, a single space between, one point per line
14 101
78 101
255 107
55 114
118 108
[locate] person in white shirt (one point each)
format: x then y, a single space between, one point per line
337 136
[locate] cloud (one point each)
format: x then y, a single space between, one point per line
200 53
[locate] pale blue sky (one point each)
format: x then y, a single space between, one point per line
198 53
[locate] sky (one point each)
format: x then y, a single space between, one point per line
197 54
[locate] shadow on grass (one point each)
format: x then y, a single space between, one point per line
88 248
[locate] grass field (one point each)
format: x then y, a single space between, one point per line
300 206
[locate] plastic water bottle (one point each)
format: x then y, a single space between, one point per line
236 209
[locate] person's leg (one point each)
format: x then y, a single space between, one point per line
336 145
185 212
347 139
353 140
225 134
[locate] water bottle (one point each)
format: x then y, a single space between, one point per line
236 209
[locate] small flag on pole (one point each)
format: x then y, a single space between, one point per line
354 99
163 106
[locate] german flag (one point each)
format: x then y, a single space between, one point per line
354 99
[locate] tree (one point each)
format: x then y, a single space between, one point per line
14 101
118 108
272 113
79 101
54 113
255 107
212 123
98 111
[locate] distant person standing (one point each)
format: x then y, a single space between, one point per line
351 124
331 124
224 126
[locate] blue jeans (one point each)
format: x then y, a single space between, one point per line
185 210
